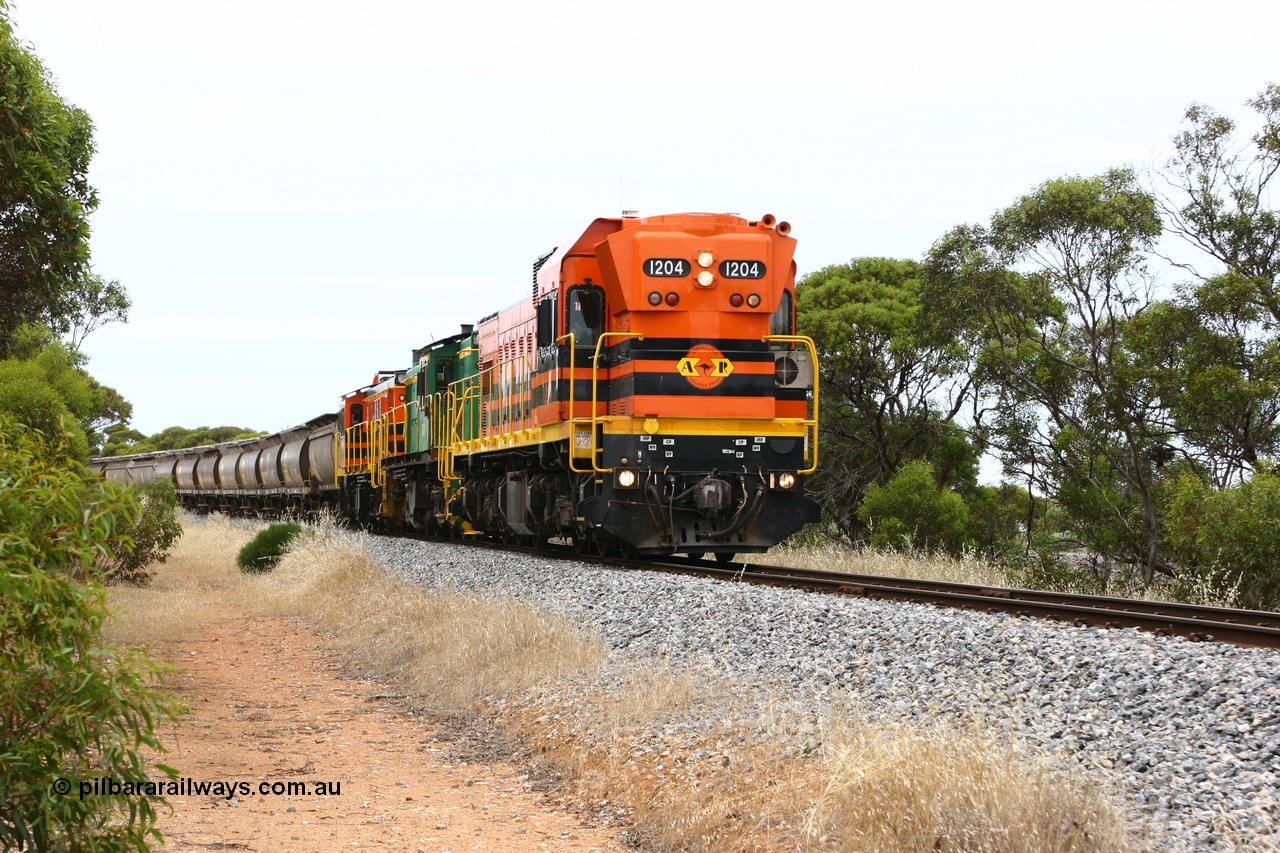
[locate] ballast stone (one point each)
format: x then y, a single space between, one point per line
1193 729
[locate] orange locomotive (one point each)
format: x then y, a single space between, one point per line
651 397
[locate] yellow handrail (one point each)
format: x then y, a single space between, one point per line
339 445
808 422
573 366
473 391
383 430
596 420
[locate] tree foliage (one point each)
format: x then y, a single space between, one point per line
87 304
127 556
122 441
1229 538
1217 194
70 707
1212 356
45 386
1047 292
1215 347
912 511
45 196
1002 519
890 383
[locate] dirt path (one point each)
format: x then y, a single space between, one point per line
269 707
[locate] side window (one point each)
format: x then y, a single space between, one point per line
547 321
357 414
444 374
586 315
782 321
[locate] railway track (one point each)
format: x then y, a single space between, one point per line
1203 624
1249 628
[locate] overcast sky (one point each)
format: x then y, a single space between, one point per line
296 194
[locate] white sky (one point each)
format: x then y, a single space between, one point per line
296 194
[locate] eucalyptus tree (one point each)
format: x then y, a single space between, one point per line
1214 348
891 383
45 195
1216 195
1045 294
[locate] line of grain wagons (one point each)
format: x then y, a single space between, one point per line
291 469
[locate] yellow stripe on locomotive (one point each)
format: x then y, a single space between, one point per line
650 395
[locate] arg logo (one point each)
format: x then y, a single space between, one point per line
704 366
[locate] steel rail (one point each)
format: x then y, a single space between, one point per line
1249 628
1194 622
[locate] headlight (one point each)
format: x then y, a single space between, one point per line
706 278
705 259
786 481
626 479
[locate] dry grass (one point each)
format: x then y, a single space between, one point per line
446 651
759 781
895 788
700 768
200 572
895 564
980 571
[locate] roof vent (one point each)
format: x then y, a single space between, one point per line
630 214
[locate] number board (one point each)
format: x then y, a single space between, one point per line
667 267
742 269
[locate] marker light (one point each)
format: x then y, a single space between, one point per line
673 298
655 298
736 300
753 300
626 478
705 278
705 259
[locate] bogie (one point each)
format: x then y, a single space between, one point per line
596 412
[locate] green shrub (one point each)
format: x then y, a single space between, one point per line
1226 542
913 511
135 547
265 550
71 708
998 518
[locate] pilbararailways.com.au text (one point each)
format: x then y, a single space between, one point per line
108 786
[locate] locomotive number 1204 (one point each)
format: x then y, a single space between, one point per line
742 269
666 267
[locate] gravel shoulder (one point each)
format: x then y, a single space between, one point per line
269 705
1187 734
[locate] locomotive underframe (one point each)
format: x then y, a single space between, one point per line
691 494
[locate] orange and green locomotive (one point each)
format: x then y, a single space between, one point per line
650 396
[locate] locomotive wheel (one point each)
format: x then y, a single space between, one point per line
581 545
696 555
725 556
